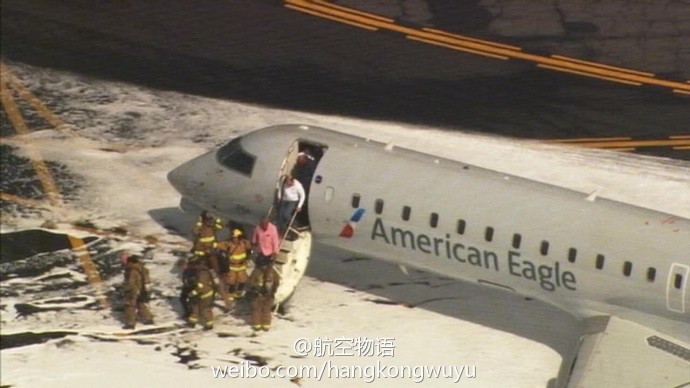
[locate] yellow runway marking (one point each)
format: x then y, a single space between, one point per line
467 38
617 144
348 16
626 149
586 139
49 186
355 11
558 68
326 16
30 98
457 48
19 125
476 46
21 200
642 73
90 269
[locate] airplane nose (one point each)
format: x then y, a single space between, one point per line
182 178
176 177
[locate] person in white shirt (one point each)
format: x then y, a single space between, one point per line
291 197
304 170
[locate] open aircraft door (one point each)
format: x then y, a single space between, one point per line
295 245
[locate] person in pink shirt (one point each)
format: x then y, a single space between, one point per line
264 280
266 242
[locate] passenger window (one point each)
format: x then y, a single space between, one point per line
489 233
627 268
600 261
378 206
572 254
433 221
329 193
517 239
678 281
651 274
460 228
544 249
355 200
406 213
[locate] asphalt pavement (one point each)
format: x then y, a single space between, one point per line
267 53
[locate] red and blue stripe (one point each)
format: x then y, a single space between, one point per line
349 228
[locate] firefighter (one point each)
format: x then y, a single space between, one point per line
201 296
238 251
136 296
188 283
204 233
263 283
221 267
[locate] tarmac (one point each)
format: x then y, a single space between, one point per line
590 76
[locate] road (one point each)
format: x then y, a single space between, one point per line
273 53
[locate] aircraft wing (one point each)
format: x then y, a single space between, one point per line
615 352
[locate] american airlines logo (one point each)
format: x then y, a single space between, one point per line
349 228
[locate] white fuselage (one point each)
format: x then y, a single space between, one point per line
586 256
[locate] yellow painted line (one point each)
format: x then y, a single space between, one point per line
619 149
557 64
635 143
21 200
347 14
456 47
467 38
624 149
558 68
325 16
30 98
681 91
595 64
586 139
90 269
682 148
42 171
354 11
50 187
680 137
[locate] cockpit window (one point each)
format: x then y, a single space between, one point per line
233 156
